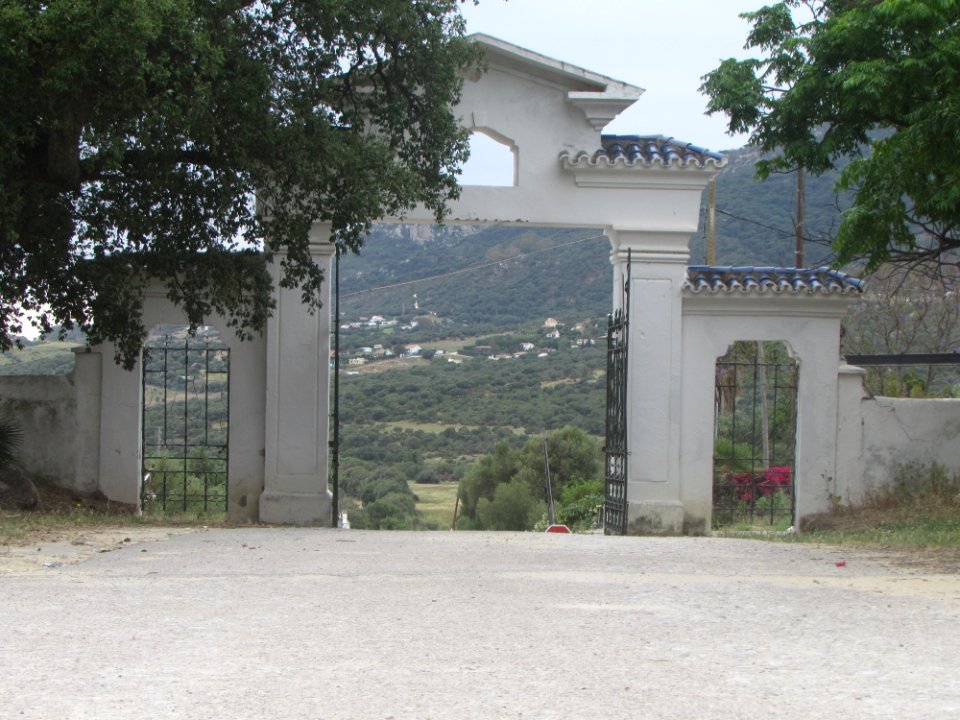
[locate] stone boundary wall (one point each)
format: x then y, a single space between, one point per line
900 430
45 406
876 434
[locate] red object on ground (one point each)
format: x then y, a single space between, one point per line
559 529
842 563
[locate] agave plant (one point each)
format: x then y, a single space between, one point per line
10 436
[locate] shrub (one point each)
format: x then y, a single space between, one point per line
731 456
10 437
513 507
752 486
427 477
579 504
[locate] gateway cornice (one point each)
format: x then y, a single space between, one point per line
634 161
718 280
598 97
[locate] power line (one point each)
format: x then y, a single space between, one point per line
781 231
461 271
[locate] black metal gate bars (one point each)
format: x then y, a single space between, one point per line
755 440
186 405
615 446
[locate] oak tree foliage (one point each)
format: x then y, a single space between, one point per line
174 139
876 82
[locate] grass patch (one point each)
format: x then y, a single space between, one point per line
436 502
63 513
448 345
381 366
918 513
556 383
437 428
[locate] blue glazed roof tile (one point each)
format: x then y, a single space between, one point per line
648 151
653 149
822 281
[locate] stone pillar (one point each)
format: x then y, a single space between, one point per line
848 488
87 390
298 399
657 271
121 422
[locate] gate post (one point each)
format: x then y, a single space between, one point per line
297 403
88 390
658 261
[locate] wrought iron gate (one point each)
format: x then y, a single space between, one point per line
755 436
186 406
615 446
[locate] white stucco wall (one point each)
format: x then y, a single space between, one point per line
118 450
893 431
45 408
537 106
810 326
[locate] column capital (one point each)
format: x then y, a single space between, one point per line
649 245
320 239
322 250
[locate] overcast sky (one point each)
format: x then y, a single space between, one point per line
663 47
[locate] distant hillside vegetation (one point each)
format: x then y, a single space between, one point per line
487 277
755 219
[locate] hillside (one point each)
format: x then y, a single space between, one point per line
755 219
481 278
42 358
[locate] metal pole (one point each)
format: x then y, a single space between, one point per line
335 443
546 464
456 507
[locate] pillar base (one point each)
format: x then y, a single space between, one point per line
655 518
285 508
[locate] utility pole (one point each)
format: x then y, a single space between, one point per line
712 222
335 442
546 466
800 223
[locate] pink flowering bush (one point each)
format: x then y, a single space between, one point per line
751 486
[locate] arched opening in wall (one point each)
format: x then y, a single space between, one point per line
186 408
755 437
493 161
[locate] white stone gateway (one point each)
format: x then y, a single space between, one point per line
645 193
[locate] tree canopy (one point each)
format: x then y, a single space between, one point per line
506 489
172 139
873 81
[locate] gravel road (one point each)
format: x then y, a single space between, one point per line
317 623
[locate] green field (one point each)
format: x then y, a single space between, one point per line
49 358
437 428
436 502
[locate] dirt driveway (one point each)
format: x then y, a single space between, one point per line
298 623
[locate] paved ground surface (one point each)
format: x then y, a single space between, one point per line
294 623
